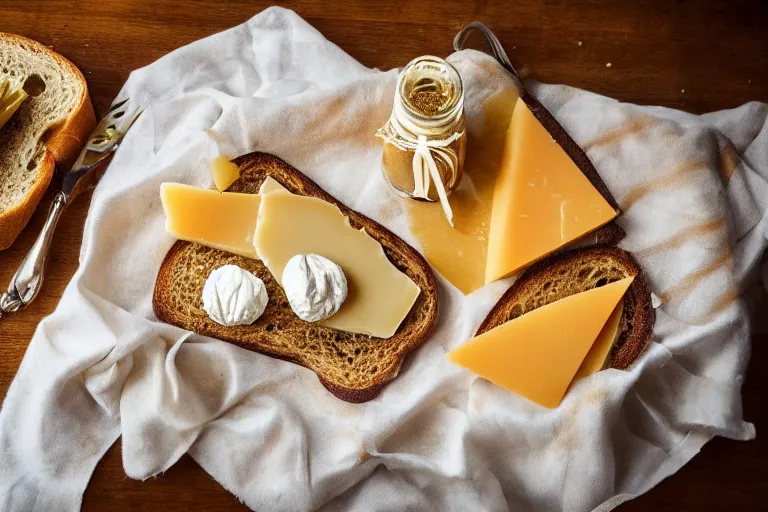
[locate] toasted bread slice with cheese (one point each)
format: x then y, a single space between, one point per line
354 367
579 270
46 130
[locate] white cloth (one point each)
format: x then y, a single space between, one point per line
438 437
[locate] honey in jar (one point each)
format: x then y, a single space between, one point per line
425 139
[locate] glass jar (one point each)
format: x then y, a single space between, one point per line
425 139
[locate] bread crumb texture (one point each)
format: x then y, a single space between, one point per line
20 150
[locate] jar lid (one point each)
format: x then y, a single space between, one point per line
430 89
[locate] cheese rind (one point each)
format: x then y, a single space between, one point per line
541 201
225 221
379 295
224 172
536 355
598 355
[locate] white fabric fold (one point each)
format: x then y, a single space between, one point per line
693 190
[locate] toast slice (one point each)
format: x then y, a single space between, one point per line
354 367
48 129
575 271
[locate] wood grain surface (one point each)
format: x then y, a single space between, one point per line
692 55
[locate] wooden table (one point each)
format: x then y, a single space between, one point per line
695 56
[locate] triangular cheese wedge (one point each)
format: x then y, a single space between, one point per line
224 172
601 348
271 185
541 201
536 355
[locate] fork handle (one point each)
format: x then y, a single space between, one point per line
496 47
9 304
28 280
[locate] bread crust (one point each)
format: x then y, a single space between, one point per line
188 314
60 146
638 316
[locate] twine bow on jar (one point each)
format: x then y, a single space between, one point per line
425 151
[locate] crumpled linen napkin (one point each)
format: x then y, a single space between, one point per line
693 190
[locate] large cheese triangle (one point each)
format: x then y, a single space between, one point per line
541 200
536 355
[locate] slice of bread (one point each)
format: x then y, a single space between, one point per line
354 367
575 271
47 130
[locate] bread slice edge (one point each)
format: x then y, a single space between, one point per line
60 146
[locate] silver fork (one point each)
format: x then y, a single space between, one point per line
89 166
496 47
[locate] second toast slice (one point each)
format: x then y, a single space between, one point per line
575 271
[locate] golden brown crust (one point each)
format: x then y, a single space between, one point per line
65 141
576 271
13 220
61 147
353 367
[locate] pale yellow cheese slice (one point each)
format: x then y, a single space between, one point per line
536 355
271 185
225 221
379 297
541 201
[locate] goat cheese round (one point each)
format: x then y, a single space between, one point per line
315 286
234 296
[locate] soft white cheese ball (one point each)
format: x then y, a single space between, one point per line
234 296
315 286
